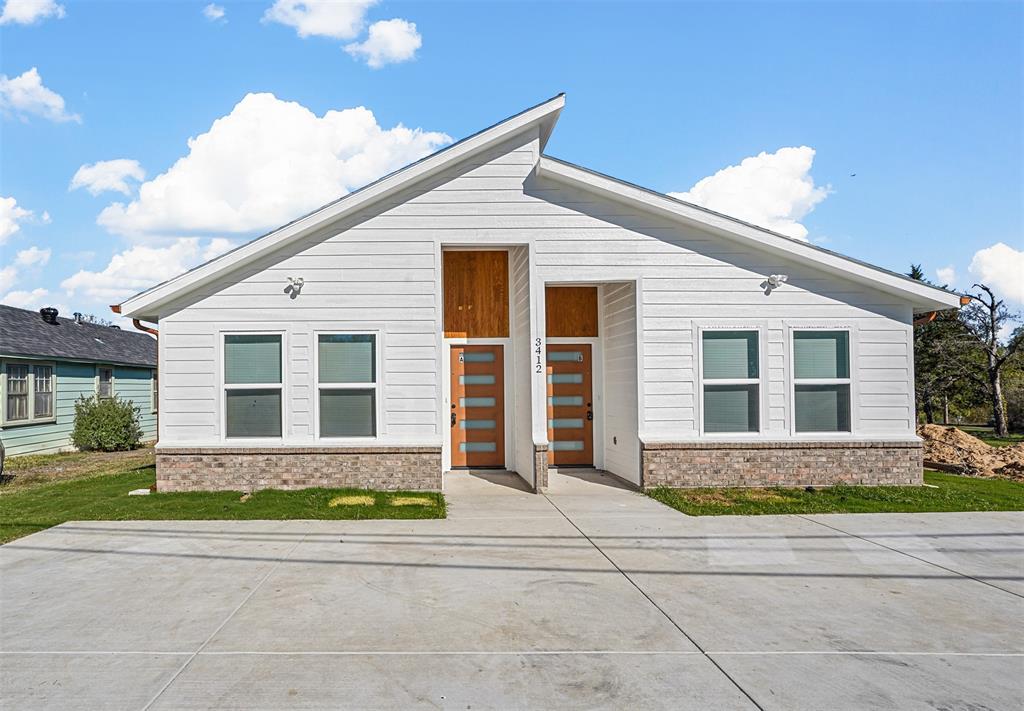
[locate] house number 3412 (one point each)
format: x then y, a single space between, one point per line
538 349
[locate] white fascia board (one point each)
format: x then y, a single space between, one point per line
145 304
922 296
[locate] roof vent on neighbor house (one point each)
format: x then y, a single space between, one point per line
49 314
78 317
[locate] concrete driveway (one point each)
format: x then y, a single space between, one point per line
589 597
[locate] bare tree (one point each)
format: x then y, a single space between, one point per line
985 317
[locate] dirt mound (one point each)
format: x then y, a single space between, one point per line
952 448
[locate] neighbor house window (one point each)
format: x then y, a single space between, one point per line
821 381
347 384
731 381
105 383
42 387
17 392
252 385
28 392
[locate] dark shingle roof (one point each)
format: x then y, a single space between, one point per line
24 333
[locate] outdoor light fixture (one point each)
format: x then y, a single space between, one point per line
774 281
294 286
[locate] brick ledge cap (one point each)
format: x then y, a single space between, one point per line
810 444
355 449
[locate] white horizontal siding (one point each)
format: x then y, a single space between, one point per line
379 270
619 343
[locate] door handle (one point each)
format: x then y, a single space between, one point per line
453 419
590 415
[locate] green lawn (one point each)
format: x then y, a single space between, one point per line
953 493
105 498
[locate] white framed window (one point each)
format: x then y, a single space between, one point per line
253 385
28 392
346 385
42 392
104 382
154 384
731 381
821 380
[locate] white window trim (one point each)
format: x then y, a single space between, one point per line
851 342
762 400
225 386
31 382
113 379
154 391
375 386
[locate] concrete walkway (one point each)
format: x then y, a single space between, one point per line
591 596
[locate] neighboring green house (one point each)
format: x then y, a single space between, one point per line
47 363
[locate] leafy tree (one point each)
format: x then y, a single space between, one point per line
941 362
984 318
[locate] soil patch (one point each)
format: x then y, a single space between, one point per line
954 449
34 469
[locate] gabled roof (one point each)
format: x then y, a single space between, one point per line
924 296
543 116
25 333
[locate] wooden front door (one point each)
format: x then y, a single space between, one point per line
570 405
478 406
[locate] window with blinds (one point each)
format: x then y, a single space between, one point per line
105 383
252 385
731 381
347 384
28 392
821 381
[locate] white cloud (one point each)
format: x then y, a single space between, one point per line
10 216
946 275
8 277
323 18
1001 268
139 268
35 299
264 164
26 12
26 96
388 42
772 190
107 175
214 12
32 257
217 247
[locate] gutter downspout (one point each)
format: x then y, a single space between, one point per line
930 316
116 308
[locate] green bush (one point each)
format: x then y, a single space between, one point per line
108 425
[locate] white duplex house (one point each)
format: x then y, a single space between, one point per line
492 306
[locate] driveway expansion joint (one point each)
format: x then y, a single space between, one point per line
911 555
656 606
227 619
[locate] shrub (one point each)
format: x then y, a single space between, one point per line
109 425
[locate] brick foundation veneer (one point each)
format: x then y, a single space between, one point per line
540 466
693 464
244 469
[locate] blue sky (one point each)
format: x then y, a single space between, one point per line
923 102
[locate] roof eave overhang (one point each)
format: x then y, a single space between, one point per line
922 296
146 305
